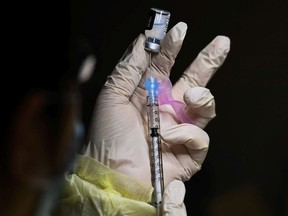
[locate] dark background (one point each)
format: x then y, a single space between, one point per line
245 172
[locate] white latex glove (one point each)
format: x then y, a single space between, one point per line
119 137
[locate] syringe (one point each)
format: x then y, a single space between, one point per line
155 32
151 84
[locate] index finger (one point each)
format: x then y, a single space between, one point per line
170 47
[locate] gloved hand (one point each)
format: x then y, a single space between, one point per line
119 134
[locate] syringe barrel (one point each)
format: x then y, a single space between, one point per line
153 114
156 167
152 85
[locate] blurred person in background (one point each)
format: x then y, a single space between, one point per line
40 109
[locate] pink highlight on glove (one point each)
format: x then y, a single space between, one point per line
165 97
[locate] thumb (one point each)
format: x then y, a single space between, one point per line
173 199
129 70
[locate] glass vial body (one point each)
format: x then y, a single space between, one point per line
156 28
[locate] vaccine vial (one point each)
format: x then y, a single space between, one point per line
156 28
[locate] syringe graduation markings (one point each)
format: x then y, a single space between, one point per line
151 85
